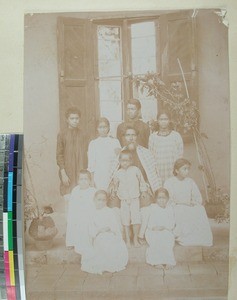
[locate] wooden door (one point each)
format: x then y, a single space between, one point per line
75 71
177 41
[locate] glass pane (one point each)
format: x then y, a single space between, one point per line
109 68
149 105
109 54
110 93
110 90
144 65
140 48
143 47
143 29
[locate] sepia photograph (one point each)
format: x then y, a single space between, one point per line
126 154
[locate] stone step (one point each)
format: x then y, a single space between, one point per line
58 254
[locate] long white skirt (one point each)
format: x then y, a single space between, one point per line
160 249
192 226
109 253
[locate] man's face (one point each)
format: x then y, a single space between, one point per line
130 136
132 111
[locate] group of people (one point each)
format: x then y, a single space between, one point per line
129 190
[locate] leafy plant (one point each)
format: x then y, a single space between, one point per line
183 111
185 117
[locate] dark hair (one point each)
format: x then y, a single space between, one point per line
85 172
125 152
103 120
164 112
132 128
72 110
102 192
161 190
180 163
135 102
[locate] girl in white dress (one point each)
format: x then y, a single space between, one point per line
102 155
108 250
159 233
81 206
192 225
166 146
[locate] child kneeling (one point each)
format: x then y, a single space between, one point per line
108 251
159 234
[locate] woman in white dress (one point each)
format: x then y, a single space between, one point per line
102 155
159 233
166 146
192 225
108 250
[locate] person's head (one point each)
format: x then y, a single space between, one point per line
163 119
181 168
162 197
125 159
100 199
130 135
103 127
133 108
84 179
73 116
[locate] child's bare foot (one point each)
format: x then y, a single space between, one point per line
136 243
159 267
128 244
169 267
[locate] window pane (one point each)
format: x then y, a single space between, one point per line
149 109
110 72
143 50
110 92
109 51
143 29
144 60
143 65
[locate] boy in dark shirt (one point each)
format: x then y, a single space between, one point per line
133 113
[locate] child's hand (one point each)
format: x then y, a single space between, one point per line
65 178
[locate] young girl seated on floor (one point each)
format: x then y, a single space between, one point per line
159 233
192 225
80 207
108 251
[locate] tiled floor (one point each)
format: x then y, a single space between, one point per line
201 273
206 280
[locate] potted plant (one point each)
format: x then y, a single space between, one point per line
42 227
218 208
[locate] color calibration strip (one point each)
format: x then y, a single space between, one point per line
12 279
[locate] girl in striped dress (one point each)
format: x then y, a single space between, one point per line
166 146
